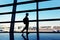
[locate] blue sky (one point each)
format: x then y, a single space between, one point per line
32 15
42 14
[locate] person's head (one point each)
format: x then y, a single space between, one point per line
27 14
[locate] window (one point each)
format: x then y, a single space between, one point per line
4 27
2 2
49 4
42 19
50 14
19 27
49 26
4 18
6 9
23 0
23 7
20 16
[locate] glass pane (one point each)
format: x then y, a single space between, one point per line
5 17
4 27
20 26
23 0
49 26
49 36
20 16
51 14
4 36
6 9
26 7
5 2
31 36
48 4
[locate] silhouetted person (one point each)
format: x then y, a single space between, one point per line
24 37
26 22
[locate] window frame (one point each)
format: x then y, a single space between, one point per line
37 21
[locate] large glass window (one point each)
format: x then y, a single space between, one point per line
20 26
20 16
48 4
6 9
51 14
49 26
4 18
17 15
2 2
26 7
23 0
4 27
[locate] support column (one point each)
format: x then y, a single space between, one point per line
37 20
12 21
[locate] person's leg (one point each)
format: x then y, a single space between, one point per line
27 32
24 37
23 30
27 28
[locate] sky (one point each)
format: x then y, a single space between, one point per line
32 15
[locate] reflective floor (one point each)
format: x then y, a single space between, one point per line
32 36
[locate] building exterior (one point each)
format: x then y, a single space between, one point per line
32 29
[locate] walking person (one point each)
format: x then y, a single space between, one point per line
26 22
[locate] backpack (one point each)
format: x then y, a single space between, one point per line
24 20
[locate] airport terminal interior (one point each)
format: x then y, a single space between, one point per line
44 17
